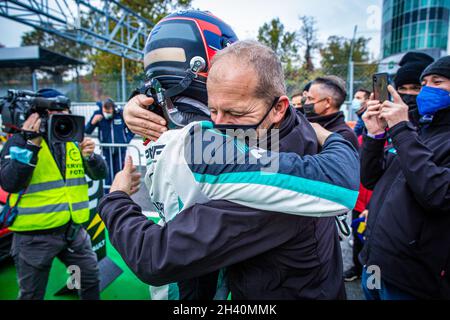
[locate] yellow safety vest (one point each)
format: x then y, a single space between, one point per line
49 201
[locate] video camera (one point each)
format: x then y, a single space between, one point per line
18 105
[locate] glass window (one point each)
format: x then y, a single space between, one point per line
415 16
416 4
444 27
423 14
422 28
408 6
432 13
405 31
443 43
421 42
407 17
424 3
405 44
412 42
431 42
432 27
413 28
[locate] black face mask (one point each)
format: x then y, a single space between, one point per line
411 101
224 127
309 109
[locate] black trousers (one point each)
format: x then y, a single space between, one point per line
357 245
33 256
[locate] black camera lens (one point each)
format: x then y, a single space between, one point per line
64 128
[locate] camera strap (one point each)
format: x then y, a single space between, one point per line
29 135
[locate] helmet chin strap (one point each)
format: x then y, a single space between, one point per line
182 85
197 64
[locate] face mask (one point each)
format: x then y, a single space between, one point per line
310 109
108 116
356 104
431 100
224 127
413 111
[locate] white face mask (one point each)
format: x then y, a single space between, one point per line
108 116
356 104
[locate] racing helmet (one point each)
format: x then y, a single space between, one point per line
183 42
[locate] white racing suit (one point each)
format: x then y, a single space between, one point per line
184 168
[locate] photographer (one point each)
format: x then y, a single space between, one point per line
50 195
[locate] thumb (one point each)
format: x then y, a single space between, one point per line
395 95
145 101
128 167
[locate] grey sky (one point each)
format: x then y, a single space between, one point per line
336 17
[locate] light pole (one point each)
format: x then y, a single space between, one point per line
351 73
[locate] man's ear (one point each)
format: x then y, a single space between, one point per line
280 109
329 103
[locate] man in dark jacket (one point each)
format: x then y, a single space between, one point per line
406 255
408 85
268 254
111 129
323 102
47 186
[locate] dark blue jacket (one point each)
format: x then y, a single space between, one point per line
268 255
408 230
110 131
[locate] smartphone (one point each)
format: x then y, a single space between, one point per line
380 84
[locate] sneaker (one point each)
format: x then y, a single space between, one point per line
351 275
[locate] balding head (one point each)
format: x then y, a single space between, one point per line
246 79
258 58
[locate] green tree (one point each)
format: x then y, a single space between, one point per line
107 66
335 55
283 42
307 37
337 51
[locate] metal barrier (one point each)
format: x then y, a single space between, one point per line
121 146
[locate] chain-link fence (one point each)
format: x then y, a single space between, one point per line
78 89
97 87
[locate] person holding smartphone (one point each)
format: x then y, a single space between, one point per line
406 254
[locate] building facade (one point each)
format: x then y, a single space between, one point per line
414 25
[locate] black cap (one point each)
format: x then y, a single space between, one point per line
411 67
440 67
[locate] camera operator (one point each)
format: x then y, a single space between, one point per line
49 192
